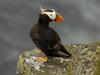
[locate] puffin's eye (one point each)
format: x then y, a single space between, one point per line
50 14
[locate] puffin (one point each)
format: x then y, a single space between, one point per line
45 37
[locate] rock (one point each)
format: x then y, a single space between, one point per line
85 61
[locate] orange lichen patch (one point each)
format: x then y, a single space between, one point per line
41 59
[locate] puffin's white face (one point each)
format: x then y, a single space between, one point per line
51 13
54 16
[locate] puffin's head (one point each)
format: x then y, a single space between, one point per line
52 14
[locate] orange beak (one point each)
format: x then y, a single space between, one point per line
59 19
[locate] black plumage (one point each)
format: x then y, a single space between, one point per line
47 39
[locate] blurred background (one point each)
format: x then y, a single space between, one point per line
81 25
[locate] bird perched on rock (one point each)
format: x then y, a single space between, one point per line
45 37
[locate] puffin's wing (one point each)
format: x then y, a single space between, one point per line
58 46
39 42
56 36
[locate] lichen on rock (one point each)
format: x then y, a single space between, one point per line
85 61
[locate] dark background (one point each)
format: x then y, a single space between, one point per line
81 25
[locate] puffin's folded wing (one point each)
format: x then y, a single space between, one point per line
41 44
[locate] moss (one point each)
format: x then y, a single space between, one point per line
70 69
97 71
98 66
23 68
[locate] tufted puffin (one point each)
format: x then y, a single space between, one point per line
45 37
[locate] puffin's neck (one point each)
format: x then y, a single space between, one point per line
43 20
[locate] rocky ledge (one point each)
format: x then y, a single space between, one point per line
85 61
